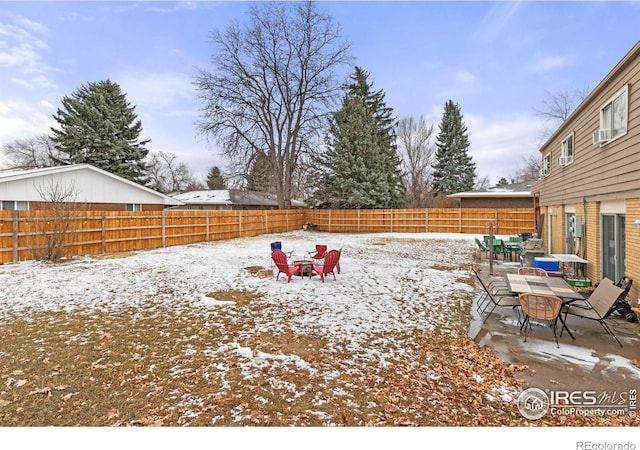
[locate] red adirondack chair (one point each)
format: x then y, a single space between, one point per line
280 259
321 250
331 258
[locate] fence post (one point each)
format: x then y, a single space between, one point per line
392 217
206 224
266 222
358 221
426 220
329 221
103 232
162 227
14 229
239 223
459 219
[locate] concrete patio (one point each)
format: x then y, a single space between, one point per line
592 361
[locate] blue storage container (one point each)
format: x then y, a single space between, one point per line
548 264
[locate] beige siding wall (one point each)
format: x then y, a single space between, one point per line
610 170
598 173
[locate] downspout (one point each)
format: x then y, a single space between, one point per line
584 227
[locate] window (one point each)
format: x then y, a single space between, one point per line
10 205
566 153
613 115
134 207
546 165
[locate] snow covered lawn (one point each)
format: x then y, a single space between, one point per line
191 336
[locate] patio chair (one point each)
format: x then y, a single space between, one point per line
319 252
532 271
331 259
280 260
540 307
621 307
483 248
495 298
596 306
500 249
278 246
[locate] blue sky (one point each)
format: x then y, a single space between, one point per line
495 59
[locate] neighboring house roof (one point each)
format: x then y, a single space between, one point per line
95 185
219 197
515 190
232 197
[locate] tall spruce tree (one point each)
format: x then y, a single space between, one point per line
215 179
99 127
454 170
361 168
260 177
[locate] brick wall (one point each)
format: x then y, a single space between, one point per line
632 261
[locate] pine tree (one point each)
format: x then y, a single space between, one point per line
361 169
215 179
454 170
260 177
99 127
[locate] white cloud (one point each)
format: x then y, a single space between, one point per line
498 145
19 120
495 21
157 92
547 63
464 77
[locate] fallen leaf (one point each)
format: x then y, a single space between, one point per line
44 391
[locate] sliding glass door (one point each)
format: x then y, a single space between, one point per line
613 245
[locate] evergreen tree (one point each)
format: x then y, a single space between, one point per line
361 169
215 179
261 176
454 170
502 182
99 127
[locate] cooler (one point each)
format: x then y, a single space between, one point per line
548 264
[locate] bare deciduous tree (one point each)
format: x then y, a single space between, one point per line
417 152
482 184
30 153
557 106
168 174
273 84
529 169
57 222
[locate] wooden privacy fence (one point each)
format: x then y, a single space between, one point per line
25 234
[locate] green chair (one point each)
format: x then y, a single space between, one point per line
483 248
499 248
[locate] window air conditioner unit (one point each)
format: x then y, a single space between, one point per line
601 136
544 172
564 160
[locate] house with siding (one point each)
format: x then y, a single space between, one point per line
514 195
92 188
589 186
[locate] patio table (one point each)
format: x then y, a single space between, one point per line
557 286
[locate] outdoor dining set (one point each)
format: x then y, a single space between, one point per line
320 261
536 296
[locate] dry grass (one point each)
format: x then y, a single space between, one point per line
151 366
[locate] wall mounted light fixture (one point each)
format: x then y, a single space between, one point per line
637 224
